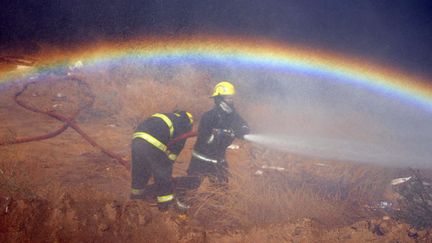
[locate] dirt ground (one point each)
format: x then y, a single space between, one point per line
63 189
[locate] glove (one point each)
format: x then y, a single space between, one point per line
244 130
219 132
228 132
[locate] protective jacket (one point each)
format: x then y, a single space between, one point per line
159 129
217 130
152 157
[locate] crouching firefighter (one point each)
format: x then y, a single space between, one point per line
152 157
216 131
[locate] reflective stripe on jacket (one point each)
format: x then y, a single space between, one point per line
203 157
167 121
158 144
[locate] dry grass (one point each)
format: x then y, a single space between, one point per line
332 195
15 178
127 96
335 197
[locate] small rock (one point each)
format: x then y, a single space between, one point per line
385 204
59 97
258 172
307 222
413 233
111 211
400 180
103 227
386 218
376 229
143 219
6 204
385 227
297 231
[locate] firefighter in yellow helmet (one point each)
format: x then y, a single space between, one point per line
216 131
151 155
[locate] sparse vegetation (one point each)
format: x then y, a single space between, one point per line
416 201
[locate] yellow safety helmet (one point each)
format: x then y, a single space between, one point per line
223 88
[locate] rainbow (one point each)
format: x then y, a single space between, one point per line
248 52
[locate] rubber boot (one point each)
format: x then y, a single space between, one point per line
165 206
182 207
137 194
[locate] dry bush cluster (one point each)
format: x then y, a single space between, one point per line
336 194
127 95
416 201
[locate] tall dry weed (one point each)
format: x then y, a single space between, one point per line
130 95
333 198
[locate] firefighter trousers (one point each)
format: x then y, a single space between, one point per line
147 161
217 173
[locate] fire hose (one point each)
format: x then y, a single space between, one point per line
67 122
70 122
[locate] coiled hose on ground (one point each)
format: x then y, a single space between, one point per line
67 122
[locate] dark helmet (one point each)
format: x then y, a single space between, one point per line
187 117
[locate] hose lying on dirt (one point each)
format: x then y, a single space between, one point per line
67 122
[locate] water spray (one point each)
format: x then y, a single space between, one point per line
332 148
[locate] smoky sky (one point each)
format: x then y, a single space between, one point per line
397 33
